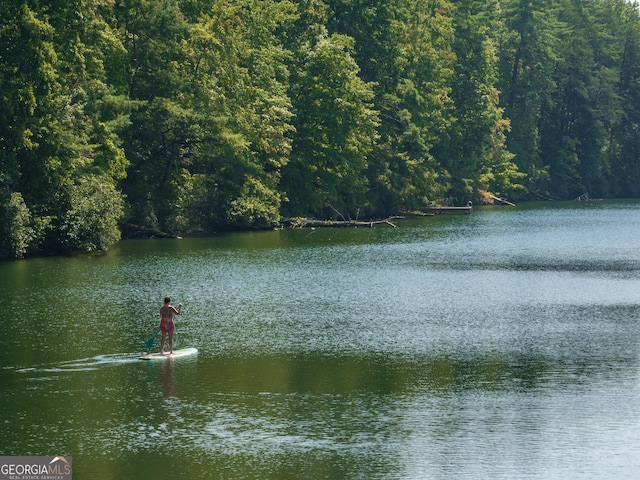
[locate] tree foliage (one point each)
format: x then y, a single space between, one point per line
198 115
58 123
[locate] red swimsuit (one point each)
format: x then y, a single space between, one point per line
166 321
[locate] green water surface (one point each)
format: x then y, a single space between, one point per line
502 344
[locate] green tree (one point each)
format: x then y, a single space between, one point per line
52 78
91 221
419 108
528 52
28 82
625 133
335 131
210 137
574 133
157 139
472 147
405 47
16 230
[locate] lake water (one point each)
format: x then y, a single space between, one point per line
499 345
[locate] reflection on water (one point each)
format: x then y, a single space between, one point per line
497 345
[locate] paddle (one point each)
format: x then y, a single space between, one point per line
149 343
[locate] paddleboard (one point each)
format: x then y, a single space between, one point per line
183 352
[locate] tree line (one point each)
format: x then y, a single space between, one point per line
202 115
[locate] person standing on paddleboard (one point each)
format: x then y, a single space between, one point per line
167 322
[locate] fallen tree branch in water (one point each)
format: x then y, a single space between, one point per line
130 230
313 223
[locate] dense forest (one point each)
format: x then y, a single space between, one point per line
200 115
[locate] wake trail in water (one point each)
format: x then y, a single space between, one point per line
84 364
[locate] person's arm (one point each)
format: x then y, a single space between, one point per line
177 310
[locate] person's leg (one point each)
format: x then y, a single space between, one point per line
162 340
171 341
